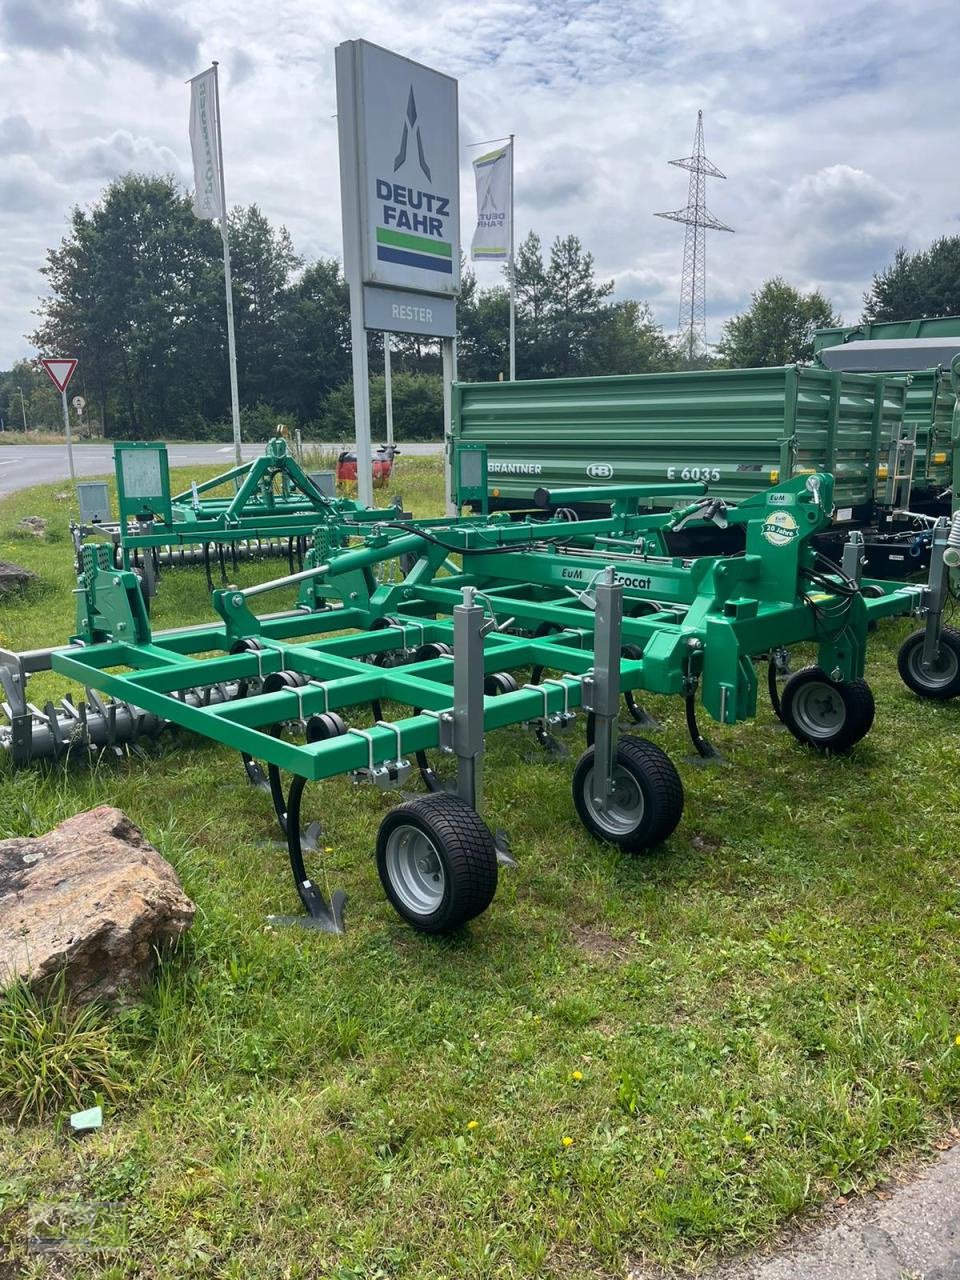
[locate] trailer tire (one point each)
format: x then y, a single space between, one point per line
437 862
648 800
827 714
940 682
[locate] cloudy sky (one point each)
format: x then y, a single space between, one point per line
835 124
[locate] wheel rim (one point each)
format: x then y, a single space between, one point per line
937 674
819 710
415 870
624 811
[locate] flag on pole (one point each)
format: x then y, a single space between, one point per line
208 181
493 237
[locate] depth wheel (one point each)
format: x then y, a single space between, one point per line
941 679
437 862
647 799
824 713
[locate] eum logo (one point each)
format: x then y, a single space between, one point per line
408 126
599 471
412 226
780 528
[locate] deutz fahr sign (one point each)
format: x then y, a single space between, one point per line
399 162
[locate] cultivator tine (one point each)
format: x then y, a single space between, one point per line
254 771
327 917
639 715
707 753
501 843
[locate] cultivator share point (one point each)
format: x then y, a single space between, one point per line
488 622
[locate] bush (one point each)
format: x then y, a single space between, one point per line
417 409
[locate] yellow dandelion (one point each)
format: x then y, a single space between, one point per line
576 1075
748 1138
328 849
956 1039
567 1142
472 1124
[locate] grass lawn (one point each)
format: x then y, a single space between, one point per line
625 1063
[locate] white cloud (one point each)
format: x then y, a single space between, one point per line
832 125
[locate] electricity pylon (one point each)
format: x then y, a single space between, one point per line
692 323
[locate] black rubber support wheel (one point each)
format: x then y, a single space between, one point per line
824 713
647 802
941 680
437 862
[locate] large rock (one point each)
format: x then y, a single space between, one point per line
91 897
13 577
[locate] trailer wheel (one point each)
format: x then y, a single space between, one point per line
647 800
437 862
940 680
827 714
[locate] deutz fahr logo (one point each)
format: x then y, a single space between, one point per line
779 528
412 230
599 471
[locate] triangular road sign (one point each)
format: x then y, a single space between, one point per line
60 370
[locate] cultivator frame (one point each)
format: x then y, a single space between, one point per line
464 647
273 511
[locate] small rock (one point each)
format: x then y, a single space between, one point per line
14 577
36 525
97 903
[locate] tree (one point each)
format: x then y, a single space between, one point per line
134 292
630 341
917 284
314 340
483 331
777 328
417 409
262 263
575 304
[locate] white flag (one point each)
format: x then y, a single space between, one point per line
491 240
208 195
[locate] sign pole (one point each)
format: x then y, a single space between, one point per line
448 352
513 308
361 400
225 234
66 425
388 386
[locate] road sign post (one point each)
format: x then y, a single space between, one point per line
60 370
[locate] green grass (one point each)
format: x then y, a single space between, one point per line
763 1013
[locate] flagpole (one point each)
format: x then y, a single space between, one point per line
225 234
513 307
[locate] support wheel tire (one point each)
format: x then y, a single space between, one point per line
824 713
941 680
647 802
437 862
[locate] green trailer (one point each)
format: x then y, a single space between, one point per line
740 431
928 352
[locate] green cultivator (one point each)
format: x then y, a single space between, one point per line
489 623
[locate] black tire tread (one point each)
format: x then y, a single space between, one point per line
861 710
653 764
468 849
949 636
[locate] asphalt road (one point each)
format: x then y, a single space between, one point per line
23 465
912 1234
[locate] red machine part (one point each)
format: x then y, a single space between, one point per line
382 466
